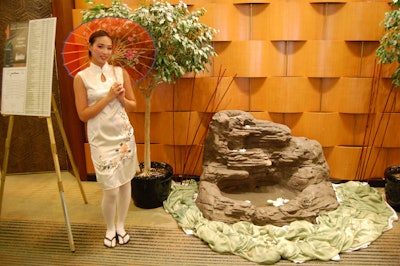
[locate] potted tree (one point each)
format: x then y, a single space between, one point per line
388 52
183 46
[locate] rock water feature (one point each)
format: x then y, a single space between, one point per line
256 171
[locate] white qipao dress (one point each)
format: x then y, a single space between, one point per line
110 133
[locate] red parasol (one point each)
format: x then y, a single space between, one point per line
133 46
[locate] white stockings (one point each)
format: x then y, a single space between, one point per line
115 204
124 201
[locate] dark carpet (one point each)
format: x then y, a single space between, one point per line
46 243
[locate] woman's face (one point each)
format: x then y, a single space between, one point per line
101 50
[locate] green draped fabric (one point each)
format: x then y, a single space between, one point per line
361 218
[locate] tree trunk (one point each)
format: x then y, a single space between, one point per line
147 161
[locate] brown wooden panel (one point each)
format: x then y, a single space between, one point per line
319 126
386 128
182 128
286 94
393 156
185 159
89 162
137 121
328 1
355 20
226 19
362 20
369 61
346 95
161 100
259 29
76 17
387 97
212 94
322 58
251 58
360 126
344 162
75 129
293 20
333 21
157 152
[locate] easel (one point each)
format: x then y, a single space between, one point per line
55 160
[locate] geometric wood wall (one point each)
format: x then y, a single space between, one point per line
307 64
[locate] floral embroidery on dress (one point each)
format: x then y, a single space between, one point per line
127 129
124 151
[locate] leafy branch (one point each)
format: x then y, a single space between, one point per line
388 51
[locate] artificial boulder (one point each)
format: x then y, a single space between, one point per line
256 171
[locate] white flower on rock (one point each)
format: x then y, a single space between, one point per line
278 202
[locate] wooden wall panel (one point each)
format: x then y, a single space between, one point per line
393 156
259 29
285 95
76 17
323 58
369 61
157 152
274 117
387 70
387 97
251 58
89 162
293 20
355 133
211 94
346 95
327 1
344 162
319 126
348 130
277 58
161 101
355 20
237 2
182 128
386 129
137 121
362 20
244 58
185 159
332 24
227 19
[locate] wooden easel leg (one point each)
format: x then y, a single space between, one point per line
60 184
67 147
5 159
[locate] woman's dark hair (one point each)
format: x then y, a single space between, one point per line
95 35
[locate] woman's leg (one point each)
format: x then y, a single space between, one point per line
124 200
109 208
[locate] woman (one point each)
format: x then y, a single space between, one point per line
103 94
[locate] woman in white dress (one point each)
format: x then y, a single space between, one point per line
103 94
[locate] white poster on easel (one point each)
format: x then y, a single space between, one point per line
27 88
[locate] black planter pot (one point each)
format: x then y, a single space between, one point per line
392 186
150 192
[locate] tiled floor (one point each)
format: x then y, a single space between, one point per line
37 197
